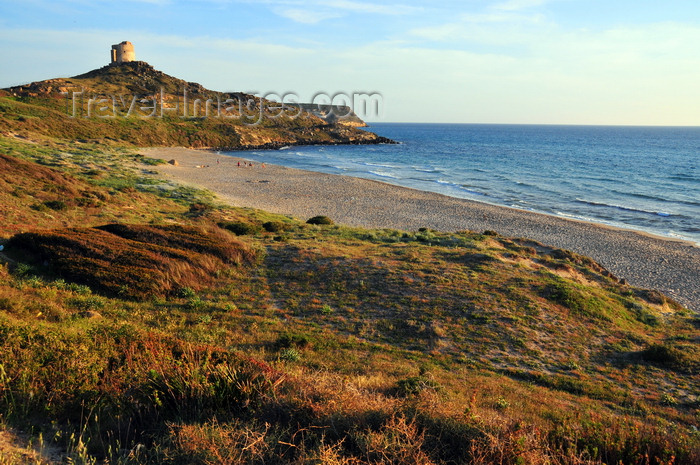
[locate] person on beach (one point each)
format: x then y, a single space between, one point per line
239 164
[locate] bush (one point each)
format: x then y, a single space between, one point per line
674 356
240 228
22 270
323 220
668 399
186 292
501 403
199 209
287 340
56 204
196 304
85 303
274 226
289 355
414 385
152 161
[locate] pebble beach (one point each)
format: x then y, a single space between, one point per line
643 260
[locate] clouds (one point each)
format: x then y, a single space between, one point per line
312 12
517 5
305 16
515 61
391 9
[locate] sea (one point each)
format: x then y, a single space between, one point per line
640 178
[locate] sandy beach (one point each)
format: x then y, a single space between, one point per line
672 267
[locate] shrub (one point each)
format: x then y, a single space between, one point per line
502 403
79 289
287 340
274 226
22 270
674 356
199 209
426 236
570 365
414 385
56 204
240 228
152 161
186 292
668 399
561 254
84 304
40 207
289 355
196 304
93 173
322 220
34 281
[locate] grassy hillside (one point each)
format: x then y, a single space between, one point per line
141 322
135 104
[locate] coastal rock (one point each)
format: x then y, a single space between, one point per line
173 162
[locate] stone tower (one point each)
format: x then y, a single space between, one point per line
121 53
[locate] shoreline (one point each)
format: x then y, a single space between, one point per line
621 227
669 265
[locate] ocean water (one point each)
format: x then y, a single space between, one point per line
642 178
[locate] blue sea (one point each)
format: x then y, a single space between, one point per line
642 178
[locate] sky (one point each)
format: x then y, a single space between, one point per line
612 62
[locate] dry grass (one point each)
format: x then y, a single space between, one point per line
133 261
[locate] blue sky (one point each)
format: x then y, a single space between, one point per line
472 61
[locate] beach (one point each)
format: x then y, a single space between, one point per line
643 260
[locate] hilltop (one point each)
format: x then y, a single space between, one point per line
133 103
144 322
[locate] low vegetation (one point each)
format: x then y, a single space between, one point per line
148 324
320 220
132 261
